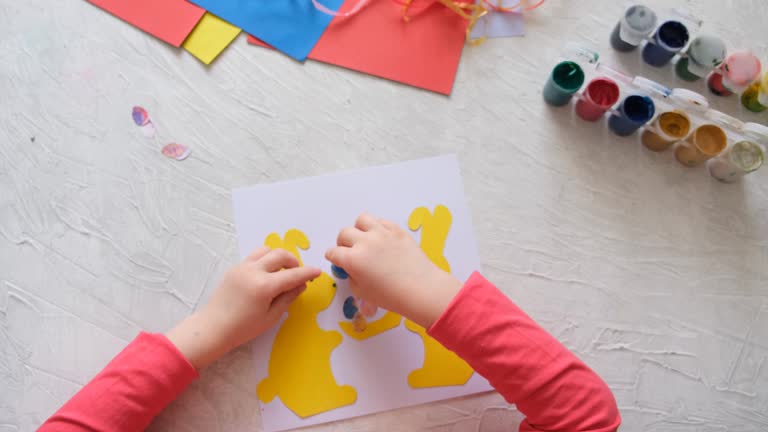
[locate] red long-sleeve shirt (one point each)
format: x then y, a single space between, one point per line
530 368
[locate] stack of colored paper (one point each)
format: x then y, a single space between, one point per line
371 37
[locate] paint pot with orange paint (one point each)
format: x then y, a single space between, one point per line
705 142
600 95
742 158
668 128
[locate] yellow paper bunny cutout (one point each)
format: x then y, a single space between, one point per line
441 366
299 369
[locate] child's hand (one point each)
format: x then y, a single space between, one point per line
386 267
251 298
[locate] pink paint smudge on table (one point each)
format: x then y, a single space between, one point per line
176 151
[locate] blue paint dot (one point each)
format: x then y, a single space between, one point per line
339 272
140 116
350 309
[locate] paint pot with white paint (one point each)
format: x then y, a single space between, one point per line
635 25
737 161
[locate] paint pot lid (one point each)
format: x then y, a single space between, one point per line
580 53
651 87
610 72
689 99
724 120
756 131
747 155
741 67
637 23
705 53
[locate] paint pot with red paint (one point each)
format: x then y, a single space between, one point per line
600 95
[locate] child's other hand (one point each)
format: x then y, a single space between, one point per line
386 267
250 299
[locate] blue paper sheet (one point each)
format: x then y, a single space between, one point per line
291 26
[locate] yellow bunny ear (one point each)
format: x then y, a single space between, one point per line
294 240
418 215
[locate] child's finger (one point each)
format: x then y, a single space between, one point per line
288 279
388 224
258 253
281 302
366 222
277 259
348 237
338 256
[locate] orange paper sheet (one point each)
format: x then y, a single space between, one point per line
423 52
168 20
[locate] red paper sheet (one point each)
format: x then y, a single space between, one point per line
423 52
169 20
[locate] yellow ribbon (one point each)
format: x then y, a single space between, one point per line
469 11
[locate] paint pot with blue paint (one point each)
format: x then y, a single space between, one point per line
339 272
669 39
703 55
638 108
633 112
635 25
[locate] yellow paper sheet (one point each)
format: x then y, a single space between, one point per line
210 37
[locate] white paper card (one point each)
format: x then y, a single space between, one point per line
320 207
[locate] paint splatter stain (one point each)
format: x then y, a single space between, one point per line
350 308
359 323
32 139
140 116
176 151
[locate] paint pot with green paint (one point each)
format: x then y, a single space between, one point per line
565 80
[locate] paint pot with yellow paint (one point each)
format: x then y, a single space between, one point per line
705 142
669 128
755 97
742 158
675 121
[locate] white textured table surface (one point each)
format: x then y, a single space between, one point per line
654 274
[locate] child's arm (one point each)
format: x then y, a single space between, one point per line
154 369
553 388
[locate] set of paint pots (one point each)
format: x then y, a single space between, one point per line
664 37
679 119
698 135
629 101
